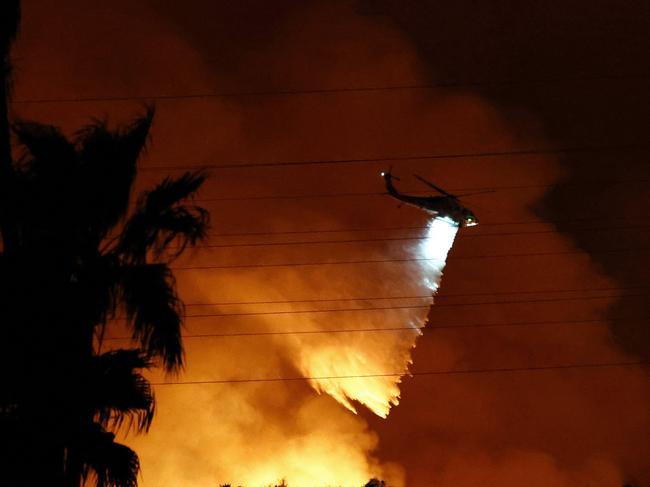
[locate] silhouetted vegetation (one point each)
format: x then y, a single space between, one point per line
76 256
9 23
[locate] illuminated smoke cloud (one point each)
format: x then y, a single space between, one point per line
382 354
254 434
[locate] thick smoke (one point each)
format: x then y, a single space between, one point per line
268 431
451 431
352 354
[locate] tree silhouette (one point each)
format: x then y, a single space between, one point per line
9 23
117 393
81 258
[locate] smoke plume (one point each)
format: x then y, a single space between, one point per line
448 431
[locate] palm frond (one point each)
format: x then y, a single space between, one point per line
153 310
119 392
109 162
111 463
160 219
172 191
46 186
98 276
48 151
9 24
187 225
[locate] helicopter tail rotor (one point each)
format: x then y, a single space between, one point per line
389 174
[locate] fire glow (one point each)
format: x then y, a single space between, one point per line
336 363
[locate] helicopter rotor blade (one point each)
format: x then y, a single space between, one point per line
476 192
431 185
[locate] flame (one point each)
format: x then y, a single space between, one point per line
376 393
335 364
262 446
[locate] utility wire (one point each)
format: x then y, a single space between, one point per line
307 242
397 239
592 365
423 296
315 231
473 191
408 329
424 227
419 227
430 297
384 261
323 91
392 308
465 155
310 311
310 196
340 300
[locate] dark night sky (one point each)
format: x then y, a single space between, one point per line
512 76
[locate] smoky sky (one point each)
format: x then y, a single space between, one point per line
512 76
586 73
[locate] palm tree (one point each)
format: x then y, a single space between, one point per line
72 196
82 258
9 22
118 393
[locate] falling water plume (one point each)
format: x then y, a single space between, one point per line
350 357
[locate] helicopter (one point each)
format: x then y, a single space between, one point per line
445 206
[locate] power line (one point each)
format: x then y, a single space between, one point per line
421 296
320 91
326 230
430 297
592 365
409 329
419 227
336 300
424 227
392 308
491 189
396 239
311 311
388 261
302 196
467 155
308 242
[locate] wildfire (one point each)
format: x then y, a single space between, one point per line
368 369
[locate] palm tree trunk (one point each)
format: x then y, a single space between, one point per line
6 172
9 20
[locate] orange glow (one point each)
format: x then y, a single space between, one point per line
548 429
386 353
